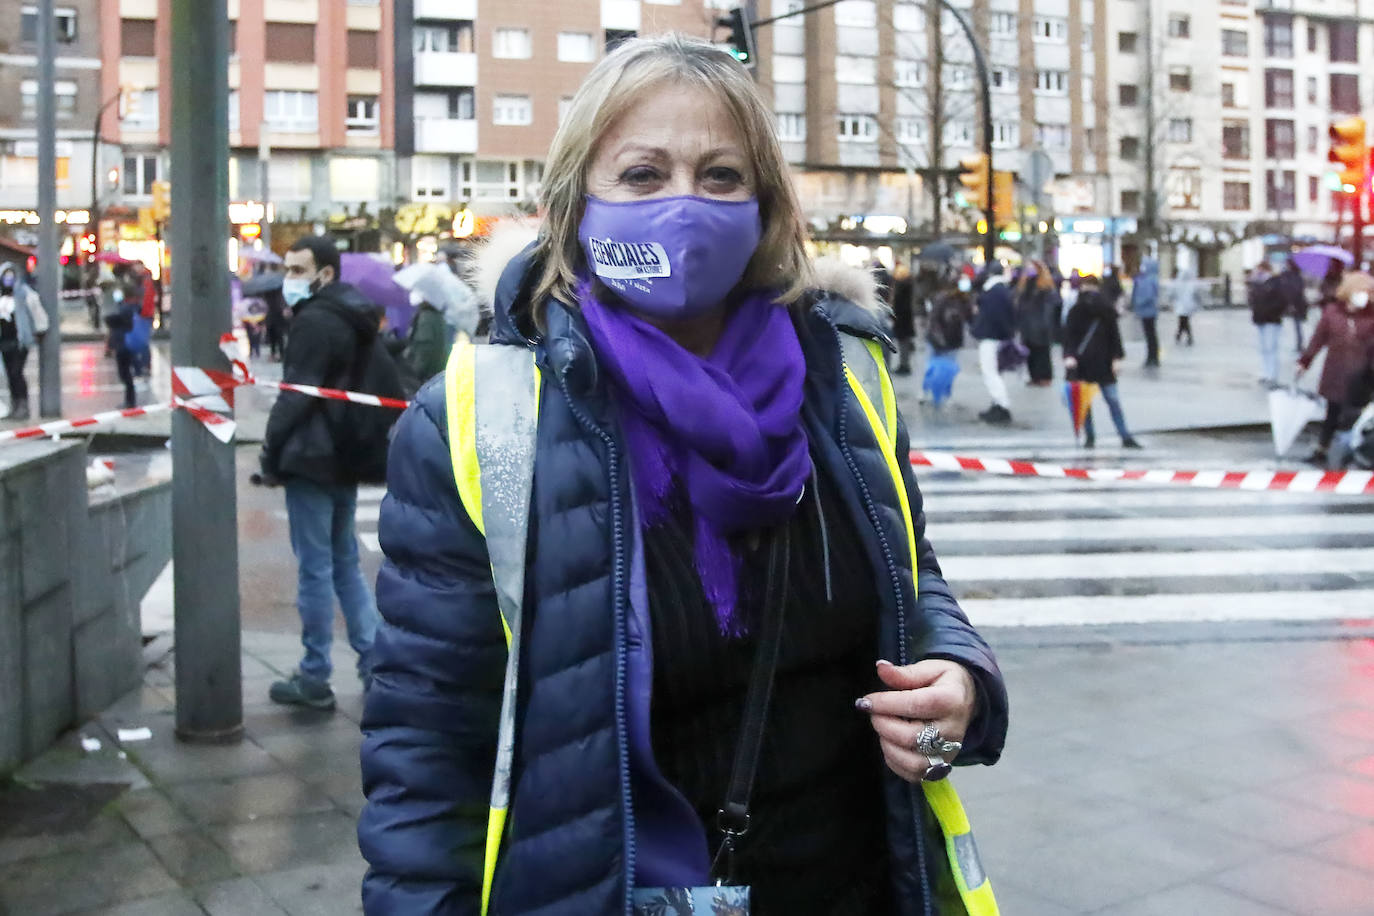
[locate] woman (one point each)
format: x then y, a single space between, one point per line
905 292
1345 330
698 430
1185 297
22 322
1036 306
119 319
1092 348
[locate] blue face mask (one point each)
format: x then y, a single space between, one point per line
119 295
670 257
295 290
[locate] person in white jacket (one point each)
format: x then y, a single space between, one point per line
22 322
1185 301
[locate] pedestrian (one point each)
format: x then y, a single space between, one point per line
1092 349
1145 305
1185 301
119 316
333 327
1294 290
945 334
1331 281
1267 309
23 322
1111 285
141 290
692 533
275 324
903 316
1037 305
883 279
994 324
1346 331
427 344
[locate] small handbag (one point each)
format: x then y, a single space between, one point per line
725 898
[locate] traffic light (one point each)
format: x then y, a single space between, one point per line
162 201
741 36
973 175
1350 150
1003 198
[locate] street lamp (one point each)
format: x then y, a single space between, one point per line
95 159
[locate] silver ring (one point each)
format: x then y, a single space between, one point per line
931 744
937 770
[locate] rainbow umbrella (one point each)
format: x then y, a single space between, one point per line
1079 396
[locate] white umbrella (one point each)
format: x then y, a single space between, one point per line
1289 411
438 286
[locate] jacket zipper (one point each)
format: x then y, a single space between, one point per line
619 592
870 507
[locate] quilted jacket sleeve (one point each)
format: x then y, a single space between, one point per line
945 631
431 714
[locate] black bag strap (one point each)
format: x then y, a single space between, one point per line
1092 329
733 817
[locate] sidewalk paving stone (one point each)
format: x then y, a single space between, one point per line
245 799
80 880
237 897
1303 885
1193 898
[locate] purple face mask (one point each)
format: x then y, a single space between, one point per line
670 257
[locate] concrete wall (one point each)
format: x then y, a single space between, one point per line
72 575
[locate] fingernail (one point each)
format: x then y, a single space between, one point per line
883 661
863 704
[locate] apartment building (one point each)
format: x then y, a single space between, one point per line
311 107
77 100
491 81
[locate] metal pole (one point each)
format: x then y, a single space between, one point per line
989 236
209 693
1151 213
95 160
50 349
264 157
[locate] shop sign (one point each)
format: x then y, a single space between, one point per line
30 217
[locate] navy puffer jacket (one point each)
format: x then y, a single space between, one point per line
431 715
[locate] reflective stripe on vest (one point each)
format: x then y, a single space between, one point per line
492 407
865 369
491 399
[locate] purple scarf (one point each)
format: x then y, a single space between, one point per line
725 431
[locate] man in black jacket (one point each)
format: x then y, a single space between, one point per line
1294 299
334 327
1267 307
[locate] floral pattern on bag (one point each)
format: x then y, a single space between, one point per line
691 901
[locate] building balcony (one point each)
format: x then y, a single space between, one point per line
445 9
445 68
446 135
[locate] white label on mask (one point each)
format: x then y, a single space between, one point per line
614 260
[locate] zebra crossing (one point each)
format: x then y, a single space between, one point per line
1029 552
369 510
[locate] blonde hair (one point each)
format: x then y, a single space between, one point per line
1353 282
617 83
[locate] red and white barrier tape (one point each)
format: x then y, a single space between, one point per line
78 293
1343 482
57 427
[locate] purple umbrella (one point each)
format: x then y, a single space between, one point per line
1314 260
374 278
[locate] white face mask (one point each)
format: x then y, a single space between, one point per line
1359 299
965 284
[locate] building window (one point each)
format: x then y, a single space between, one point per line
1278 36
908 17
1278 88
861 71
1312 90
1314 188
444 39
1181 79
614 38
1235 43
861 13
233 114
354 179
291 42
514 110
1228 95
430 178
139 174
1312 140
1126 42
1280 190
1345 93
1130 201
1003 77
856 128
1344 39
138 110
64 24
458 104
1127 95
1311 38
1180 130
361 117
65 99
1235 195
909 73
1280 139
1052 136
576 47
1052 82
1130 148
910 130
1006 134
1002 25
792 127
510 43
137 38
958 77
1184 188
291 111
1051 28
1235 140
362 49
1180 26
495 179
958 132
289 177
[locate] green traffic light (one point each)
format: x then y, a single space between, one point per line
739 55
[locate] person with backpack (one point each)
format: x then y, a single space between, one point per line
320 450
945 335
1267 307
22 322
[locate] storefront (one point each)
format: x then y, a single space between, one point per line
1088 244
